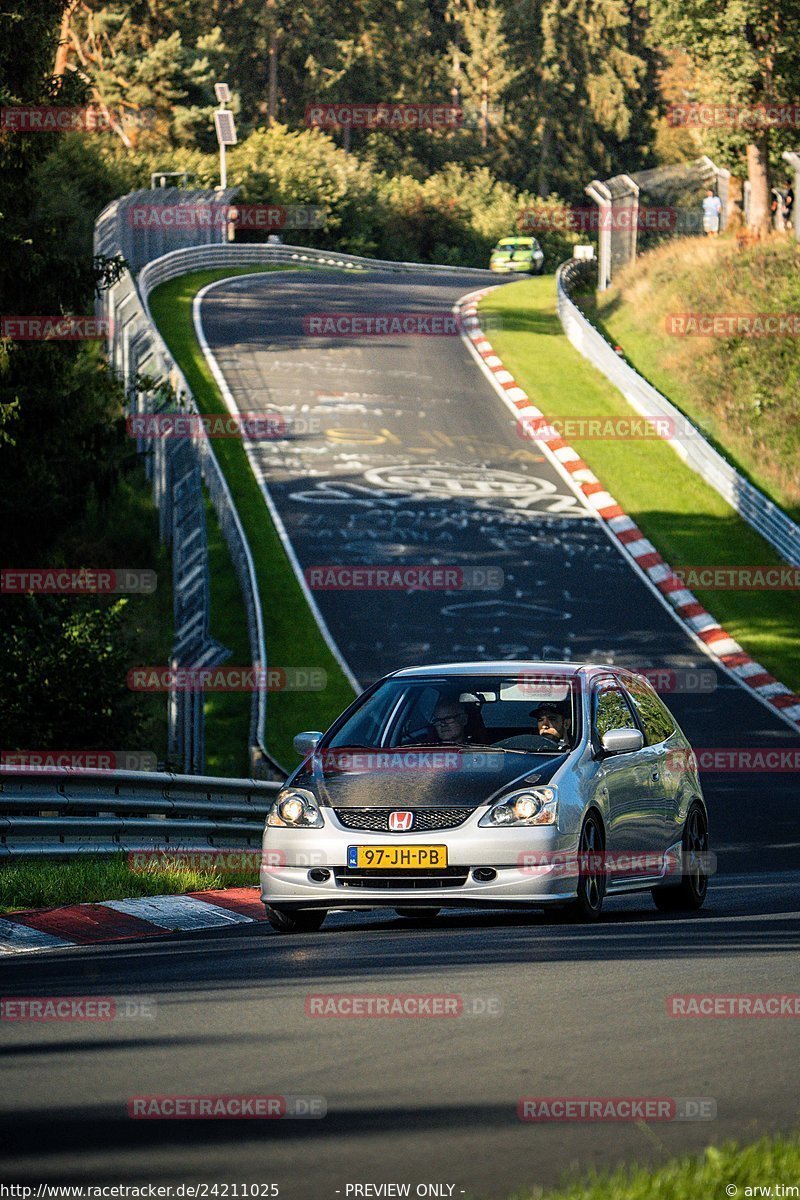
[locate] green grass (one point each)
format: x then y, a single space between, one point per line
684 518
744 393
292 635
769 1162
47 885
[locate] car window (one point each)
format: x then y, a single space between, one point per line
611 710
415 715
498 709
365 726
655 717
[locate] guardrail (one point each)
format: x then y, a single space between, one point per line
138 352
752 505
136 349
61 814
232 254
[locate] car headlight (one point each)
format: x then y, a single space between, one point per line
529 806
295 809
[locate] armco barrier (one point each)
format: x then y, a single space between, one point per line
66 813
137 350
752 505
152 380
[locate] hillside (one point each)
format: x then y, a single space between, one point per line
743 391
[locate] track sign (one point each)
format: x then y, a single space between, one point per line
226 130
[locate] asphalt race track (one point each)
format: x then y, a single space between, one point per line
583 1012
402 453
407 456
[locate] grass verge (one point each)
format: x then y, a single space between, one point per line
292 635
48 885
689 523
743 392
727 1170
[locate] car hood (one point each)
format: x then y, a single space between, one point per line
436 778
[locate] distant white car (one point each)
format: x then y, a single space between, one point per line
535 784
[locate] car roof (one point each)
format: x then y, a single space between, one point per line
505 667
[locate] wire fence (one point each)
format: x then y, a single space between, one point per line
638 210
153 383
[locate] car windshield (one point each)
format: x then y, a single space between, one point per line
528 712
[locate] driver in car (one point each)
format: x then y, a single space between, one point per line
552 724
552 731
450 722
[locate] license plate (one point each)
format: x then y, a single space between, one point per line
397 858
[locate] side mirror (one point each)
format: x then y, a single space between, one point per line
306 743
622 741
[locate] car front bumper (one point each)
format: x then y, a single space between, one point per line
289 856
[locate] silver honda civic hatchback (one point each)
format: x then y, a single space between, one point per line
542 785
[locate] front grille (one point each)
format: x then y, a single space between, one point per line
407 881
377 819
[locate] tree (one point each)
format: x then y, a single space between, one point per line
482 70
748 55
152 76
585 94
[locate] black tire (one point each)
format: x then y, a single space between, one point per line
588 904
418 914
301 920
691 892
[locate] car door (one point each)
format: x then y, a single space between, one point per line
658 727
634 813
